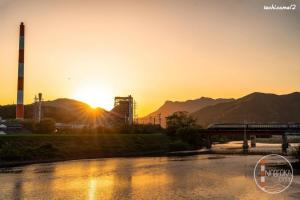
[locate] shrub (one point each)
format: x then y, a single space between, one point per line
9 152
14 152
137 129
103 130
191 135
29 124
45 126
178 120
179 145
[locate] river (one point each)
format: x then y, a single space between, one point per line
159 178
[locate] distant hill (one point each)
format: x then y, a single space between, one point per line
255 107
169 107
62 110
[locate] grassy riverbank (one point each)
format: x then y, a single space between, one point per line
17 149
22 149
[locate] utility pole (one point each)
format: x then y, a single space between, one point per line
245 142
135 113
40 99
38 107
159 119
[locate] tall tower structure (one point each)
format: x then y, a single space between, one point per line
38 107
124 108
20 91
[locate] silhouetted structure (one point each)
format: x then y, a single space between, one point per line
124 109
38 107
255 129
20 91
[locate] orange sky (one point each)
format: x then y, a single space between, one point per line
154 50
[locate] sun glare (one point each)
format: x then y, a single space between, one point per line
95 97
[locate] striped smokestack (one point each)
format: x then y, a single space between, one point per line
20 92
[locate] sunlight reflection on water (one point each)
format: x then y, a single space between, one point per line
195 177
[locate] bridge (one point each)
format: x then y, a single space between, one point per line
255 129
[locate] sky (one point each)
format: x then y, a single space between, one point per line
155 50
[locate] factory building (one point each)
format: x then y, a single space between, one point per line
124 109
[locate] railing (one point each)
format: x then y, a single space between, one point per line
289 126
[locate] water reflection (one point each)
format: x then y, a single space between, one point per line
92 189
197 177
18 189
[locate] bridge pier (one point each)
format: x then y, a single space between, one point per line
209 142
245 144
253 140
285 144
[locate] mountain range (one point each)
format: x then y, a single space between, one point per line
190 106
256 107
62 110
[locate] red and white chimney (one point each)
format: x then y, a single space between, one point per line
20 92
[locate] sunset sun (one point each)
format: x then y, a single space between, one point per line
95 97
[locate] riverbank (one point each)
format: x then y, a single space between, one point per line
28 149
18 150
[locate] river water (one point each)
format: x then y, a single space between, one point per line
174 178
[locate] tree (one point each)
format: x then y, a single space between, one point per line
179 120
45 126
29 124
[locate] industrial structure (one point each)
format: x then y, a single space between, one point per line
38 107
124 109
20 90
155 119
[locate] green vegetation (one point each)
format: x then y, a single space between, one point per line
44 144
123 129
46 125
179 145
184 133
179 120
50 147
